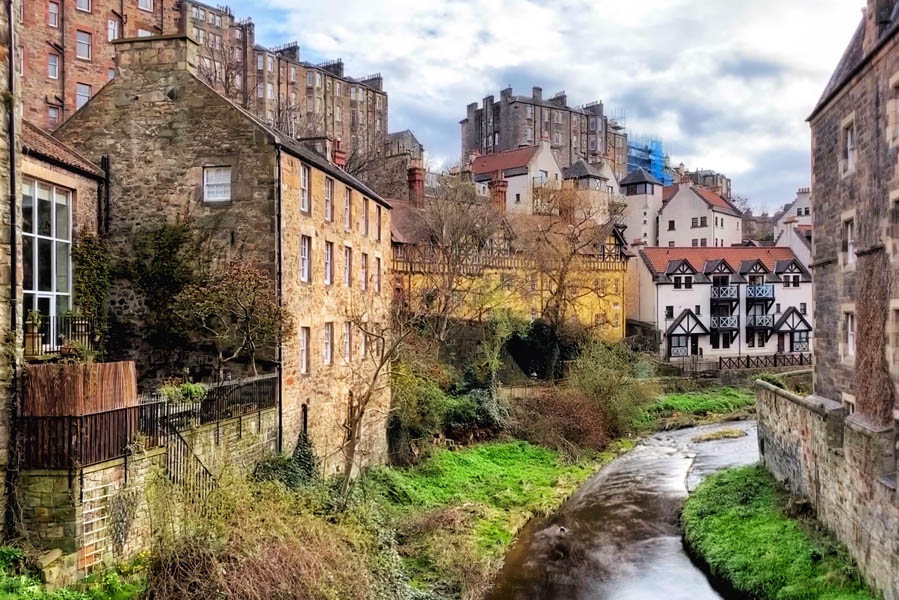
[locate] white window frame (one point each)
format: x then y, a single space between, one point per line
304 189
146 5
53 14
112 29
144 33
53 66
365 217
217 183
79 87
378 222
328 343
79 44
849 327
304 350
348 341
329 263
377 275
79 3
347 266
329 199
53 115
347 208
305 258
54 194
363 272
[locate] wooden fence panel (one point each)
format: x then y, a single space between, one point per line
63 389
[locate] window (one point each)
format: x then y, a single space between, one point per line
669 312
363 272
791 281
365 216
305 253
848 335
144 33
270 90
328 343
337 88
53 115
347 208
310 78
683 282
329 202
697 309
112 29
46 247
216 184
347 266
82 94
260 62
695 222
260 91
703 243
378 223
671 226
83 45
802 308
304 188
703 221
53 14
671 244
695 242
329 263
529 111
84 5
777 308
111 74
53 66
750 340
849 148
377 275
849 242
271 64
145 5
304 350
347 341
318 79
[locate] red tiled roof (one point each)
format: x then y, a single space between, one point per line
713 199
499 161
404 229
658 258
40 143
803 227
707 195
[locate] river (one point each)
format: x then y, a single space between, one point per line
618 537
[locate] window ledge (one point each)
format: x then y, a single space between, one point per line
217 202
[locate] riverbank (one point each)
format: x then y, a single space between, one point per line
688 409
737 523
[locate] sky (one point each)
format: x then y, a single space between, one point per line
726 84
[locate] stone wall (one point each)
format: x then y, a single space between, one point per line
844 467
239 442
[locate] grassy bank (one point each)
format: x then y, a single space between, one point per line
674 411
457 513
18 581
736 521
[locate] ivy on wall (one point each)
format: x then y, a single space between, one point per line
91 278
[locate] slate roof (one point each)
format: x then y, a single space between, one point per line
580 170
713 200
39 143
639 176
403 226
500 161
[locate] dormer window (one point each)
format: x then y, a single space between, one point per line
684 282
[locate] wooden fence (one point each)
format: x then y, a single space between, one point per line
64 390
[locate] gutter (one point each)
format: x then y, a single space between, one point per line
280 305
11 474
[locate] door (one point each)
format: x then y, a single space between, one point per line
781 340
694 345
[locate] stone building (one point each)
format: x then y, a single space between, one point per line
177 147
712 180
575 133
68 55
839 446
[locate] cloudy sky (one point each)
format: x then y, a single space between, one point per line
727 84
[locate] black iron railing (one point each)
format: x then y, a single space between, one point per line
58 335
69 442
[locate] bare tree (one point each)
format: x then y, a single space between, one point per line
222 67
458 236
568 243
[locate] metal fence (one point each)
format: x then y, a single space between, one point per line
66 442
54 335
698 366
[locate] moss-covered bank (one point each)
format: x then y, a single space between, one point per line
736 523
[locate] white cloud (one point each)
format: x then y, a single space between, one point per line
726 84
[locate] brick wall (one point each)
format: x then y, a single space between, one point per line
839 464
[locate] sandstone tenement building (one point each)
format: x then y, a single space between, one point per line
176 147
67 56
575 132
839 446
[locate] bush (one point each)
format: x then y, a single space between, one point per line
618 380
541 349
564 420
476 410
176 390
773 379
295 471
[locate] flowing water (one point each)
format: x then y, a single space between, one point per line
617 537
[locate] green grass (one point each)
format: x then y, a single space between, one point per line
691 408
735 521
459 511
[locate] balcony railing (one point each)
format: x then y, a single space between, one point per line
58 335
731 322
725 292
800 346
678 351
760 321
763 291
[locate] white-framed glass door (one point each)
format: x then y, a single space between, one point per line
46 248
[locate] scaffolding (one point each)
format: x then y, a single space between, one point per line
649 154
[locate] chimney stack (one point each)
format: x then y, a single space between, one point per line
498 188
161 53
338 156
537 94
416 177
